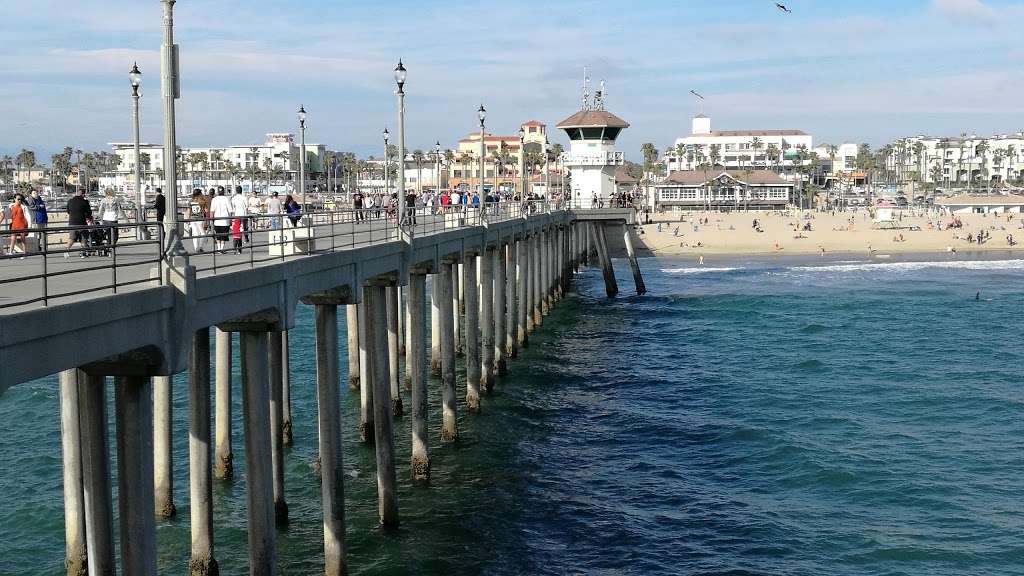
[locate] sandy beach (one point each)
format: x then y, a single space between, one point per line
711 233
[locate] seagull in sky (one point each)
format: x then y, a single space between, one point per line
783 8
697 95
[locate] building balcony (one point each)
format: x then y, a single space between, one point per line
599 159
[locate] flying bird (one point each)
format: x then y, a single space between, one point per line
783 8
697 95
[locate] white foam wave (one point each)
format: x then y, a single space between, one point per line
912 266
701 270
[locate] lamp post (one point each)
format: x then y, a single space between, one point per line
400 74
387 187
482 115
253 165
437 160
135 77
522 168
302 156
170 92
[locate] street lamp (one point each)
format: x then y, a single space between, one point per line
522 167
170 91
437 159
302 156
135 77
387 187
482 115
400 74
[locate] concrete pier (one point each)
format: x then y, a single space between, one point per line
163 465
435 325
537 278
521 299
638 279
486 282
407 339
366 426
376 328
276 369
457 270
134 414
202 562
75 558
472 335
528 251
99 514
511 299
610 286
403 299
500 364
545 272
259 481
394 377
352 329
286 390
417 370
222 458
328 402
449 421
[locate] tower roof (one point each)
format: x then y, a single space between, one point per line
593 119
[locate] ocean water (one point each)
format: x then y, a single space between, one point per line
797 416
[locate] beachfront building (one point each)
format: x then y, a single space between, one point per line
779 150
723 190
982 204
501 160
273 164
965 161
421 173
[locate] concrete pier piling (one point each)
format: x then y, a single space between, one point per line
417 370
332 473
276 370
202 562
134 414
407 338
286 390
75 558
449 420
511 300
638 279
99 514
545 272
163 465
435 325
528 269
538 279
486 283
457 271
472 335
366 426
376 328
352 328
259 481
223 458
394 377
520 275
403 299
610 286
500 365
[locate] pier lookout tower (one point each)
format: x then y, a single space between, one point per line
592 159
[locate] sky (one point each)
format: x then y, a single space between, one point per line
865 71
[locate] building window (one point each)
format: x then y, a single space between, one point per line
533 129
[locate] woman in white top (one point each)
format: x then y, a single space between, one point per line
110 213
220 210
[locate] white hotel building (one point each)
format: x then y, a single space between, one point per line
736 149
953 162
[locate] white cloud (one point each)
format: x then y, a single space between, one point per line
966 11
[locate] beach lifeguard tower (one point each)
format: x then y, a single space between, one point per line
592 158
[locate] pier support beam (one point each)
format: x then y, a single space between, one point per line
202 562
276 367
638 279
352 328
449 420
537 278
376 329
286 390
258 467
328 402
416 368
407 318
134 415
394 377
486 283
92 403
457 270
530 257
365 375
500 366
435 325
521 299
610 286
472 336
545 272
75 558
511 300
223 458
163 410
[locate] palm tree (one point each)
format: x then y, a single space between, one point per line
1011 155
772 151
982 150
417 158
650 154
25 159
715 154
756 144
998 156
680 152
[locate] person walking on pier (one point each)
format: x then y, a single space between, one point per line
38 207
294 211
159 204
357 205
240 210
220 210
19 221
199 212
274 209
410 207
79 215
110 214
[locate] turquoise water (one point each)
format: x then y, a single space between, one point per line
747 417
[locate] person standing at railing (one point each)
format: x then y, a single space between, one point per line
240 210
38 207
475 201
254 209
220 210
19 221
198 213
160 205
410 207
110 213
274 209
79 216
357 205
293 210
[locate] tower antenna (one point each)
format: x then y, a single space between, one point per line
599 97
586 89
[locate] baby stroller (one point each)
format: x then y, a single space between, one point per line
97 241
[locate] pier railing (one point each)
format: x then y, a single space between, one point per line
45 268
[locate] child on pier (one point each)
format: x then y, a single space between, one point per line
236 234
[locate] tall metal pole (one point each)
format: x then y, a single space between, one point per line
302 157
387 188
522 167
400 80
437 173
482 114
170 92
140 217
